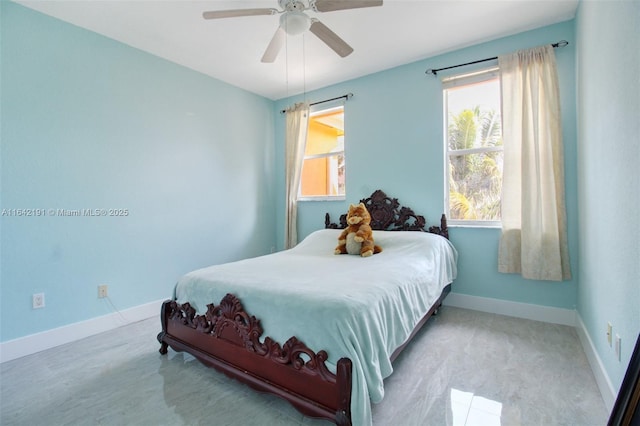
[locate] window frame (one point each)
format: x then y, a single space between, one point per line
449 82
316 110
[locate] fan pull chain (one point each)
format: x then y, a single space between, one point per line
286 63
304 68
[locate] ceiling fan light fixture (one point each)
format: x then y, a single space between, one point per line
295 22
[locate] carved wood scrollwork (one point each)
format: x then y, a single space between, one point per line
229 321
387 215
383 210
442 229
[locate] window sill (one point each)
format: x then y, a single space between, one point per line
323 198
473 224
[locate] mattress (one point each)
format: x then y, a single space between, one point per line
347 305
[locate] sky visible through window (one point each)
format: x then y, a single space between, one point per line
485 94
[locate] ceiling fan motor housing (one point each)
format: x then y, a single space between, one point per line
291 5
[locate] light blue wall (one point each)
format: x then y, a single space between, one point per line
394 141
88 122
608 78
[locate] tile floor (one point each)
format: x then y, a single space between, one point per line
463 368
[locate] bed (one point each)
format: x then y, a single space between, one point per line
343 319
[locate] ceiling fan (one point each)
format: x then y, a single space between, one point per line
294 21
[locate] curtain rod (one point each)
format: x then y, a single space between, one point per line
561 43
346 97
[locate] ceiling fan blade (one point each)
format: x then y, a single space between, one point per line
274 46
330 38
217 14
331 5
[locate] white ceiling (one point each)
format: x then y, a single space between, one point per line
399 32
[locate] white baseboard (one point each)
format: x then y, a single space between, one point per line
513 309
37 342
602 378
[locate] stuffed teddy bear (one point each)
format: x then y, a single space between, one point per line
357 237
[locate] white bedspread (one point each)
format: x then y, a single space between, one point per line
361 308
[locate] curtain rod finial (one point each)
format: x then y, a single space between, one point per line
431 71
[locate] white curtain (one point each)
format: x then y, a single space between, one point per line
297 121
534 235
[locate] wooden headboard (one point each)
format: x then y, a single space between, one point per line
387 215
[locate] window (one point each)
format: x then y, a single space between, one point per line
473 148
323 167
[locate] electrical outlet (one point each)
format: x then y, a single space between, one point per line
618 347
609 333
37 300
103 291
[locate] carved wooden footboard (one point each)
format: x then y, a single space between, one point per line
228 339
